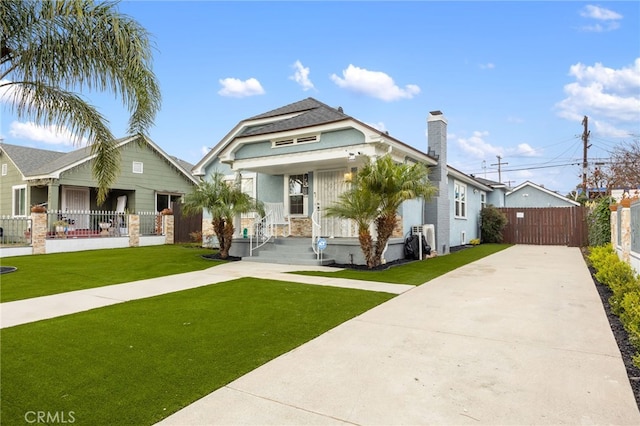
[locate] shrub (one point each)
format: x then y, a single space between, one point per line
599 222
475 241
625 286
493 223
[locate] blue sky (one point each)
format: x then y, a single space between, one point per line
512 78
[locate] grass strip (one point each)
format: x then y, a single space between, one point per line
140 361
419 272
61 272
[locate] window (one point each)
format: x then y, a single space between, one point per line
298 187
163 201
138 167
483 200
19 200
294 141
4 169
460 199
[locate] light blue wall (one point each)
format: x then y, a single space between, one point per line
530 196
471 224
327 140
411 212
496 197
270 188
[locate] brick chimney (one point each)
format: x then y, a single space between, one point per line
437 211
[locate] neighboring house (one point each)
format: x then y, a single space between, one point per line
496 197
303 155
149 178
528 194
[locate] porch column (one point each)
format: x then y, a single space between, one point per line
39 233
237 220
53 198
134 230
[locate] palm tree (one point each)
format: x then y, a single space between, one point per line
224 200
49 49
362 206
393 183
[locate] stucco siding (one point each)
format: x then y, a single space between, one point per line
270 188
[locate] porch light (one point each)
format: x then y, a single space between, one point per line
348 176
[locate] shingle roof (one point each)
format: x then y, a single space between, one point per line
310 113
28 160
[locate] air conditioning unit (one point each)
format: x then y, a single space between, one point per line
429 232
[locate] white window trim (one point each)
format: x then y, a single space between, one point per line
5 169
287 204
135 169
13 200
300 140
463 203
483 199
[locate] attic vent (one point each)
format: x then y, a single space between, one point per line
340 109
295 141
138 167
307 139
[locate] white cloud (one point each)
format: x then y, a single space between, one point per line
478 147
488 66
52 135
301 76
524 150
373 83
236 88
608 96
607 19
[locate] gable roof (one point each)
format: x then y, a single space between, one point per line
27 160
491 183
40 163
542 189
299 115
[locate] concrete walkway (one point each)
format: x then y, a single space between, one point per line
519 337
45 307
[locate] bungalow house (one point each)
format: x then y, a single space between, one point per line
528 194
300 158
149 180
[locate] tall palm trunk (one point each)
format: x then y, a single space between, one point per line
385 225
228 231
218 229
366 244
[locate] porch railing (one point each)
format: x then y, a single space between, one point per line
316 228
262 232
74 223
15 231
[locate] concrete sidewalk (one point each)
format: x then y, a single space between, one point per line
519 337
39 308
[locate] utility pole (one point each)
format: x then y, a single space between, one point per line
585 147
499 164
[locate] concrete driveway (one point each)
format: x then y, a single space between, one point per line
519 337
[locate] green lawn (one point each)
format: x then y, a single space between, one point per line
419 272
61 272
138 362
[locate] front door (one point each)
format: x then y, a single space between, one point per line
75 204
328 187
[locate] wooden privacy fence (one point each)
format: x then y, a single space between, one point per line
185 225
557 226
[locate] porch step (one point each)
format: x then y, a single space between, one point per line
291 250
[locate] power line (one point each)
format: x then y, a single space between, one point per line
499 164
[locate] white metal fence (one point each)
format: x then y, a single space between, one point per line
15 231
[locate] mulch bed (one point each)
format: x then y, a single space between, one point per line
216 256
627 350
